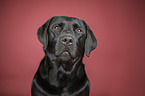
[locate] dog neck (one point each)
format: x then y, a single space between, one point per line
52 70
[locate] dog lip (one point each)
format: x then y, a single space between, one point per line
64 52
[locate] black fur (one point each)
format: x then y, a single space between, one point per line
61 72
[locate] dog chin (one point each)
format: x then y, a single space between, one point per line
64 56
66 60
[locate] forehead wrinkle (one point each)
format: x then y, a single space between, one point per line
71 19
78 23
73 22
67 21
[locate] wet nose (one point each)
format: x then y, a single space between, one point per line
67 40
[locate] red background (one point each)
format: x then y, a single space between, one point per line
115 68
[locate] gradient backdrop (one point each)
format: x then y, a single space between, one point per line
115 68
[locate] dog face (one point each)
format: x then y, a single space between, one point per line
69 36
66 38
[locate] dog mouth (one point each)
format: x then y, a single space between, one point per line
65 55
66 60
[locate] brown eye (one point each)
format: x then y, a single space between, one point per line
57 28
78 30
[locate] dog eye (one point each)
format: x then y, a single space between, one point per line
78 30
57 28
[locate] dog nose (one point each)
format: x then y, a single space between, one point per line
67 40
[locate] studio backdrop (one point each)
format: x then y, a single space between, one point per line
115 68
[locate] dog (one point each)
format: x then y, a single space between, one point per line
61 71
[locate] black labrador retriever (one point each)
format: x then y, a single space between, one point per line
61 72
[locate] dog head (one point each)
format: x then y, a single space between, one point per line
66 38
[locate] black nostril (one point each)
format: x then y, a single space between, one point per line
67 40
64 40
70 41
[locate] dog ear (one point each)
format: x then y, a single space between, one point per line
42 33
91 42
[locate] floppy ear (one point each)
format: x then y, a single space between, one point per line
42 33
91 42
